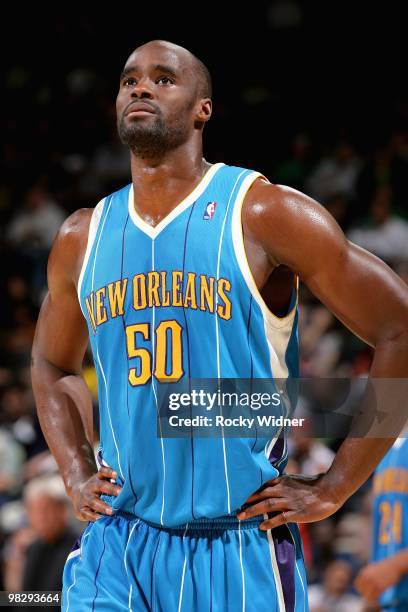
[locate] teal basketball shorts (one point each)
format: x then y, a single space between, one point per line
214 565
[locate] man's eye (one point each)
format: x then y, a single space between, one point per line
129 81
166 80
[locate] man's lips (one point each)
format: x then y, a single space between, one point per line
139 109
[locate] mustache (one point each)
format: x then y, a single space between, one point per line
152 106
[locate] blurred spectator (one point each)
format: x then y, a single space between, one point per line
40 464
108 168
386 165
335 174
36 225
16 345
384 233
11 465
33 230
320 340
333 595
312 456
18 408
353 533
321 536
36 553
19 307
294 170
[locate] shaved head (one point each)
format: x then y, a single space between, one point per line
199 70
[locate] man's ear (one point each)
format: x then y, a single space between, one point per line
204 110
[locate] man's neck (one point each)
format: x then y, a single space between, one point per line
159 185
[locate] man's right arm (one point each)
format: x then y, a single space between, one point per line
62 399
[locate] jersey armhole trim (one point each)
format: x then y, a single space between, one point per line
242 260
93 228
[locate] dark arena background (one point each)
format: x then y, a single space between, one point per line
310 94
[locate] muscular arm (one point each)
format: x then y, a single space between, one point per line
360 289
61 337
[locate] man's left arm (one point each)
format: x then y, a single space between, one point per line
363 293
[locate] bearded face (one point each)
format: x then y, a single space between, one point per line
150 134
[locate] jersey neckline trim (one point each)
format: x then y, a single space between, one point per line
154 231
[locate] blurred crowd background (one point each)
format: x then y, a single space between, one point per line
335 129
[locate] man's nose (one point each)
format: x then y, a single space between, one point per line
142 90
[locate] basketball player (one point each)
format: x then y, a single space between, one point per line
385 579
191 271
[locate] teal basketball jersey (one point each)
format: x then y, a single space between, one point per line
390 511
173 302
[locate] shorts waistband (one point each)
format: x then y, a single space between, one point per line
207 524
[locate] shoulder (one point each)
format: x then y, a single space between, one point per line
74 226
279 203
73 233
283 219
69 246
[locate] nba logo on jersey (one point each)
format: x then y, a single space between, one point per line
209 211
